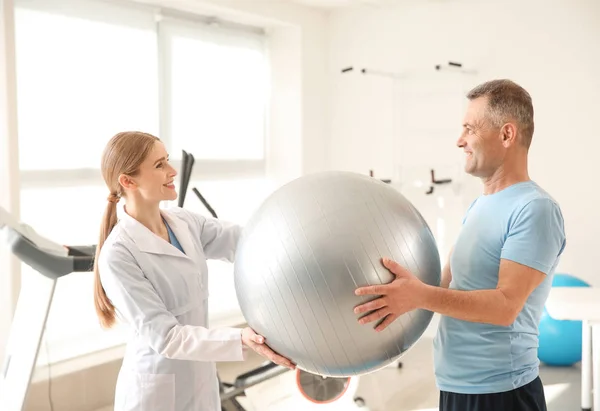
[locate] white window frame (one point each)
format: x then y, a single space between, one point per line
9 167
204 170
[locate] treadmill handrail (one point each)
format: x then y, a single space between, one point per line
46 263
82 250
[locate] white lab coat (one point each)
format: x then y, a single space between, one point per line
169 364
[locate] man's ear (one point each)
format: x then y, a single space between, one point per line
509 134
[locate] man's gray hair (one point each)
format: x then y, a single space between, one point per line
507 101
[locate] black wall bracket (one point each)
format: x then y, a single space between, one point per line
434 182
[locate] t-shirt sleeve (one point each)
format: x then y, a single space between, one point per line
536 237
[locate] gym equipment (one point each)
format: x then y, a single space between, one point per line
187 164
449 66
560 341
321 390
52 261
303 391
186 174
304 252
412 92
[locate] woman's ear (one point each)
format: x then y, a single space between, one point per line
127 182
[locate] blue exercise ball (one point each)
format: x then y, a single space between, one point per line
560 340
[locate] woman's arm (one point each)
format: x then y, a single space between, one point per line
137 302
219 238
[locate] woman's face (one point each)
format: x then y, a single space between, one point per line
155 181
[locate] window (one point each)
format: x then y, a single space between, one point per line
80 80
78 84
218 92
88 69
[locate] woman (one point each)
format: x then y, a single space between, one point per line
151 270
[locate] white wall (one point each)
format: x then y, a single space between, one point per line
285 132
550 48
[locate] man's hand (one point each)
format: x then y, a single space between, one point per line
397 297
497 306
257 343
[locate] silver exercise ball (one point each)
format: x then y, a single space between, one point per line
304 252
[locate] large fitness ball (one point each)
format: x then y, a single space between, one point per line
304 252
560 340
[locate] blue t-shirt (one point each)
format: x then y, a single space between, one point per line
172 239
521 223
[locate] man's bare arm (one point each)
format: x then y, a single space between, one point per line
447 272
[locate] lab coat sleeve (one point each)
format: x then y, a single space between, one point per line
219 238
137 303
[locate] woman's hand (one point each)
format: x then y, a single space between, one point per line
257 343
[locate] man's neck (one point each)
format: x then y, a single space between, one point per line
502 179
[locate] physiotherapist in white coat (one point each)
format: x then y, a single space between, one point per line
151 272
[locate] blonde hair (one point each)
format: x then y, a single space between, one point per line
123 154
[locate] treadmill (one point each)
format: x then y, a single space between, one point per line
53 261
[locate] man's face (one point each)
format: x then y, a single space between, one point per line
481 141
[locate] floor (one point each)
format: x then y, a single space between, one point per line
410 387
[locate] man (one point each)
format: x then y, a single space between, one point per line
499 273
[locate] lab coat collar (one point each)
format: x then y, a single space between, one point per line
148 242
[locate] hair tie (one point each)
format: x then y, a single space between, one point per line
113 198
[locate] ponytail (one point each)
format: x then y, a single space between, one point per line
105 310
123 155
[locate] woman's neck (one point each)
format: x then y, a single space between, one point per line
149 216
